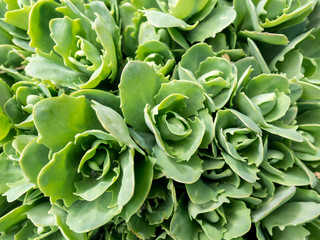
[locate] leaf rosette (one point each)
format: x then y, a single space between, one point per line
240 141
304 62
274 220
309 125
99 172
270 14
192 21
270 101
215 74
79 45
26 94
14 40
172 115
157 54
282 166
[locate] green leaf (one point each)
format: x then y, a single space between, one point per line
285 216
184 172
114 123
141 228
271 38
294 233
14 217
10 173
127 182
143 179
60 220
84 216
255 52
65 165
33 158
219 19
245 171
193 101
282 195
59 119
133 105
201 192
165 20
181 227
51 67
238 219
39 215
41 14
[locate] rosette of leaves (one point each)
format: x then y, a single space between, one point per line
14 40
282 166
215 74
240 141
308 122
20 106
35 219
274 219
151 220
302 54
100 173
259 20
77 44
169 119
188 20
223 219
270 101
136 30
157 54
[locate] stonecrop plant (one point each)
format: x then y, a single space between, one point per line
160 119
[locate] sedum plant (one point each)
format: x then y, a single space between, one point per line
159 120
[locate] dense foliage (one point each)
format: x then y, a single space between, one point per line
160 119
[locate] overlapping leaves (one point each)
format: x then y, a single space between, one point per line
162 119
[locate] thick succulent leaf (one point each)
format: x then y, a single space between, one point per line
100 96
246 16
165 20
271 38
294 233
59 119
238 219
245 171
17 189
219 19
133 105
10 173
114 123
90 189
201 192
280 56
33 158
195 96
281 196
13 217
143 179
60 220
65 165
84 216
195 55
255 52
51 67
39 215
284 216
180 171
41 14
181 226
141 228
